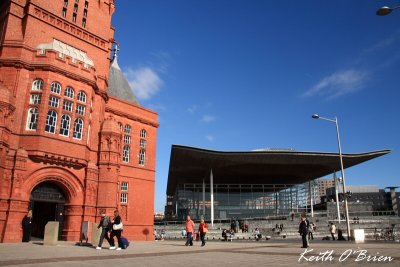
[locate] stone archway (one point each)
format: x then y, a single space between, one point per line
47 202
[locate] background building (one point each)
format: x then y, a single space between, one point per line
73 138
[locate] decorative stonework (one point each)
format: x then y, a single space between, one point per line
69 27
58 160
66 50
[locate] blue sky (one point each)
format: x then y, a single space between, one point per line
242 75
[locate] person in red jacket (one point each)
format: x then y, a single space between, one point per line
189 231
203 229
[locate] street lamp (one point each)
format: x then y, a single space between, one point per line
335 120
385 10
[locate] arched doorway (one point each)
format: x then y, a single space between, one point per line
47 203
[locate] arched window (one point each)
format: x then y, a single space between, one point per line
125 154
37 84
128 129
31 122
142 157
82 96
143 134
69 92
78 128
65 123
55 88
120 126
51 121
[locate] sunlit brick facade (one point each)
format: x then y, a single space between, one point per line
69 148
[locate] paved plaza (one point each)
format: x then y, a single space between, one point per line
215 253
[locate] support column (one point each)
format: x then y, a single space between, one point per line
337 195
204 199
212 198
310 189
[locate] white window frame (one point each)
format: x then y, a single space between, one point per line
68 105
69 92
35 99
81 96
55 88
143 134
124 186
51 122
32 120
37 85
127 139
65 125
142 157
126 154
78 129
54 101
124 198
80 110
127 129
143 143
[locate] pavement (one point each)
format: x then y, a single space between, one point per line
214 253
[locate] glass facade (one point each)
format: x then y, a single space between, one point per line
239 200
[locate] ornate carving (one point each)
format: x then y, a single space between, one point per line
58 160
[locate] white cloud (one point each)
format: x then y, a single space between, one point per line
192 109
144 82
338 84
210 138
208 118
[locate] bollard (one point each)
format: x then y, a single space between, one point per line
51 234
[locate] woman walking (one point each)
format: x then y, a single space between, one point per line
116 230
203 229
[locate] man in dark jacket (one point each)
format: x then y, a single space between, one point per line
105 225
303 230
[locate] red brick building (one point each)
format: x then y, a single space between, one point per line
73 138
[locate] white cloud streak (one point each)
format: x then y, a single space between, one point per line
208 118
338 84
210 138
144 82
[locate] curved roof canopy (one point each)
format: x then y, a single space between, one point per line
192 165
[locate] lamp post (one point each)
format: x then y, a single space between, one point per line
335 120
385 10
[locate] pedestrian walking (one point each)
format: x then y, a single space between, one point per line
303 231
27 227
189 231
203 229
117 228
332 230
105 225
311 231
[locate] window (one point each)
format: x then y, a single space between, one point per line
85 13
65 3
84 23
55 88
128 129
80 110
31 122
125 154
35 99
142 143
51 121
68 105
69 92
74 17
75 8
65 122
37 84
124 198
142 157
54 101
143 134
124 186
120 126
64 12
127 139
82 96
86 4
78 128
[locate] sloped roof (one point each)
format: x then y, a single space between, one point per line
192 165
118 86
